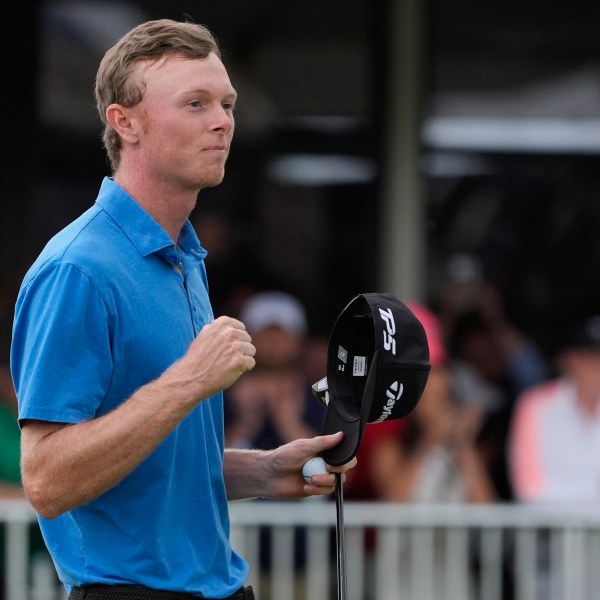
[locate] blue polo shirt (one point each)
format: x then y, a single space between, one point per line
110 303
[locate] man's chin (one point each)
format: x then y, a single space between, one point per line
213 181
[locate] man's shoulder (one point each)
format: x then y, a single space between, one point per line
85 243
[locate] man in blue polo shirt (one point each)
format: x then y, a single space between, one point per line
118 362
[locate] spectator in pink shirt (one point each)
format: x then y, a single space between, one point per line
554 446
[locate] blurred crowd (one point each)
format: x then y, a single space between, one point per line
491 425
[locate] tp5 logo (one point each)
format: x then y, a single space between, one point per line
389 341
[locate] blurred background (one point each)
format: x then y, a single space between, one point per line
446 151
414 146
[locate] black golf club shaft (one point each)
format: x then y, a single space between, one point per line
339 530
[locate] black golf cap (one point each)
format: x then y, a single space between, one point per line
377 368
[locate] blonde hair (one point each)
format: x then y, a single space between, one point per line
152 40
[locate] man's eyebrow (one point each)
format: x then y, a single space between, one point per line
203 91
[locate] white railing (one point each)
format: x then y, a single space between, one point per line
392 551
26 576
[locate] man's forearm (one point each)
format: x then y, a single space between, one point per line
244 473
65 466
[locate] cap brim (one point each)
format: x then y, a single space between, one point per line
353 426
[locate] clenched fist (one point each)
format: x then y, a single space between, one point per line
218 356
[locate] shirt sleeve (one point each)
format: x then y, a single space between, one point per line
61 352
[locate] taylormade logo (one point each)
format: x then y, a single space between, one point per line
393 394
389 341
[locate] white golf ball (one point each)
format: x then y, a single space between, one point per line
314 466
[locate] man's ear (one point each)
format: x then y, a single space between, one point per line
120 120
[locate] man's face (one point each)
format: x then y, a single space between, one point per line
185 121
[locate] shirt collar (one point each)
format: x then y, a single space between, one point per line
143 231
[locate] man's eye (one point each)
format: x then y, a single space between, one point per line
195 104
228 105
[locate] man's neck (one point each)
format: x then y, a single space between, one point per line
169 208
